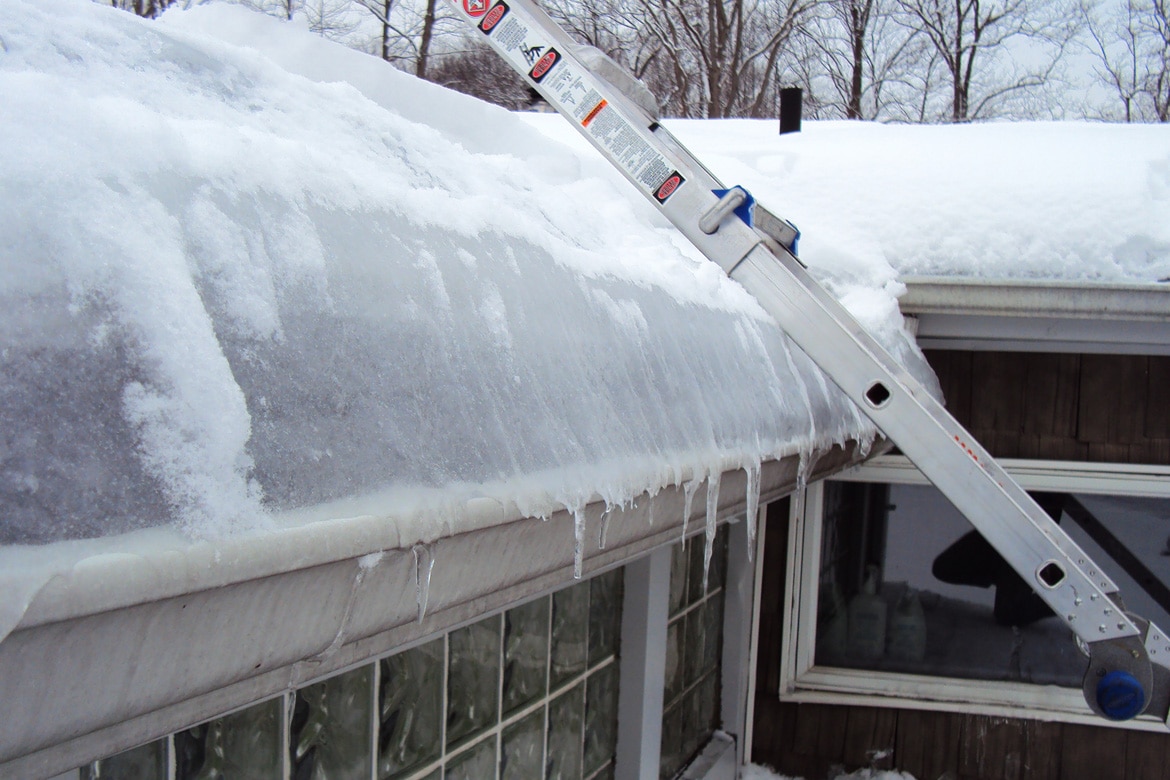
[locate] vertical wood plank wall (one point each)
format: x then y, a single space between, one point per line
1102 408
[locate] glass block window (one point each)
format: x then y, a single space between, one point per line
329 733
694 639
524 694
148 762
244 744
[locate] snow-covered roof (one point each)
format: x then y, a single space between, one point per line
1068 201
246 280
232 290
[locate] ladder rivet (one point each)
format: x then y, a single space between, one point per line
1102 628
1078 601
1092 597
1108 611
1071 618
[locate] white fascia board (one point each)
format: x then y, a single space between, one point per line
1030 316
1060 299
125 649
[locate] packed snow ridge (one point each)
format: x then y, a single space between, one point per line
246 270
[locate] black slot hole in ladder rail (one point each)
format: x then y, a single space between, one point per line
878 395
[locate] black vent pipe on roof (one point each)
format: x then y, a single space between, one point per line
790 109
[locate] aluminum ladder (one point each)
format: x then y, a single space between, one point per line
1128 673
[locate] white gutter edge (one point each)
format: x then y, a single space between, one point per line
1005 298
72 579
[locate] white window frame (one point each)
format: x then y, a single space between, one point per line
803 681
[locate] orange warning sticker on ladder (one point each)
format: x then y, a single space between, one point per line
593 113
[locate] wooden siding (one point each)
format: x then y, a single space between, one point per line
1102 408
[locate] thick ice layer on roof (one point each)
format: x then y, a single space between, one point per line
230 289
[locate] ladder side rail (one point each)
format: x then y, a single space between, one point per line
936 443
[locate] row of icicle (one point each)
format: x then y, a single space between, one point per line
424 560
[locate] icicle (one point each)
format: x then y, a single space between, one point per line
753 506
650 512
605 516
578 542
424 564
865 444
808 463
712 516
689 490
365 564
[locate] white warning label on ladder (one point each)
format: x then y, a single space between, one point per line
574 92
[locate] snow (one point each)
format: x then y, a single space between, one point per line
252 276
1069 201
244 282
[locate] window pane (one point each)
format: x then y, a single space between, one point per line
696 639
907 585
523 748
329 737
675 655
674 753
570 633
712 633
701 714
525 654
478 763
601 696
473 679
605 615
1128 527
678 578
605 774
695 568
718 573
565 720
246 744
410 709
148 762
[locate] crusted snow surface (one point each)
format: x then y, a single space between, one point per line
243 281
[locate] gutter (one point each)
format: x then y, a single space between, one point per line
171 637
1003 298
1053 316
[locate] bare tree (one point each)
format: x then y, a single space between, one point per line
426 36
1132 48
331 19
968 34
479 72
866 58
715 58
408 31
1157 27
146 8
